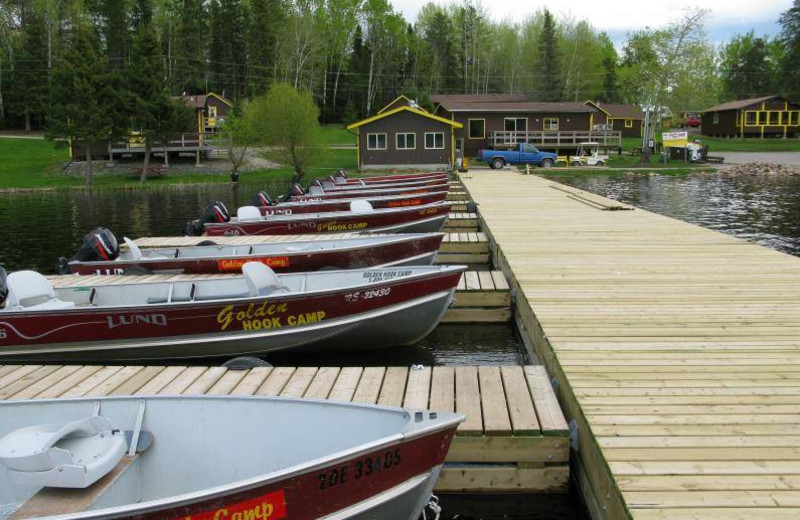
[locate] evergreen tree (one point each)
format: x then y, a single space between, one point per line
230 20
29 89
548 73
790 61
610 87
112 16
262 41
82 95
141 14
149 102
190 54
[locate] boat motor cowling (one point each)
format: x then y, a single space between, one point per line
215 213
297 190
261 199
98 245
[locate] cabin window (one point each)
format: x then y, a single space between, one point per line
551 123
715 118
762 118
774 118
376 141
750 118
212 111
477 128
516 124
407 141
434 140
629 123
794 118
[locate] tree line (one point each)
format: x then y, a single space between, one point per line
353 56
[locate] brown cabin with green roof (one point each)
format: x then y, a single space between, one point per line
767 116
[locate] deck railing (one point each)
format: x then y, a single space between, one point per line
555 140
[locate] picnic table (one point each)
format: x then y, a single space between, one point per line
153 170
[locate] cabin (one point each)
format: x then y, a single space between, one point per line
211 110
768 116
503 121
626 119
404 135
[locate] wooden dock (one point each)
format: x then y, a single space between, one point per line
515 437
481 296
463 247
461 222
676 351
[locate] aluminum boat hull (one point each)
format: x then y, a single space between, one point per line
282 257
393 307
222 458
312 205
396 177
416 219
370 191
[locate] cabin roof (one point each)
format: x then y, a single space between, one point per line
198 101
741 103
401 98
413 110
519 107
618 110
477 98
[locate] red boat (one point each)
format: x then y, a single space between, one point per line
218 458
282 257
429 218
340 178
316 205
315 192
256 313
327 184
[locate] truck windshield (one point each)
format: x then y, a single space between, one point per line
529 148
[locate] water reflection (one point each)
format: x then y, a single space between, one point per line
765 210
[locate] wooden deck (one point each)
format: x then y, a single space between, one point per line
676 350
464 247
481 296
514 438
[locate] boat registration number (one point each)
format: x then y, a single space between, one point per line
360 469
368 295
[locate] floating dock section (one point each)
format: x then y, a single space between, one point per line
515 437
675 351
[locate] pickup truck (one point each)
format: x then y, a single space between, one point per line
524 154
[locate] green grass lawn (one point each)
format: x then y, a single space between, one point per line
336 135
35 163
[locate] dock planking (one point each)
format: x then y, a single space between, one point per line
513 455
483 298
676 350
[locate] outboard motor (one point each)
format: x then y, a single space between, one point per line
3 286
340 173
216 213
98 245
261 198
297 190
317 182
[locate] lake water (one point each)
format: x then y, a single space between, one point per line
765 210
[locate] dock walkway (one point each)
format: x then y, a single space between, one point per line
514 437
676 350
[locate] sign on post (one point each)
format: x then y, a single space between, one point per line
675 139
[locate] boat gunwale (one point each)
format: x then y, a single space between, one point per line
439 424
389 240
437 270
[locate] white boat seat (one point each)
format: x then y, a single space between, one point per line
65 455
261 279
248 213
315 190
30 290
361 207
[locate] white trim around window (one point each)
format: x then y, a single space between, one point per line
408 140
374 141
475 135
435 144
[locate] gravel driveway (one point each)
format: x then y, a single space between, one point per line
785 158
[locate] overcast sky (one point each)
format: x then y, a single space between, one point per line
618 17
